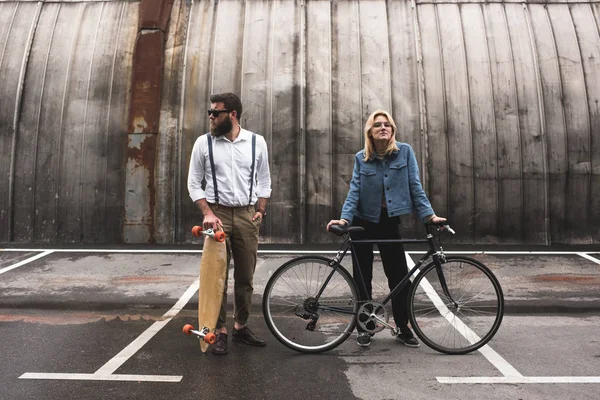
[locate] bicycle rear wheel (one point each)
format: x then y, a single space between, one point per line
463 318
299 320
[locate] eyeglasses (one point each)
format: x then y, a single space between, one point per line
379 124
216 113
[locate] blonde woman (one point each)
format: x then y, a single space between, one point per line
385 185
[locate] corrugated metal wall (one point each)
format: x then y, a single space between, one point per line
500 101
64 78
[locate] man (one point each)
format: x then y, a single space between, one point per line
232 188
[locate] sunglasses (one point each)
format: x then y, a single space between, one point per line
216 113
380 124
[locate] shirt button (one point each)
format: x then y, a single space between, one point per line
387 189
386 175
389 201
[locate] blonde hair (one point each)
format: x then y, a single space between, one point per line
369 146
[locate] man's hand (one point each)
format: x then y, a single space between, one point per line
257 215
211 221
336 222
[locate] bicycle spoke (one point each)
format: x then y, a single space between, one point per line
297 318
465 319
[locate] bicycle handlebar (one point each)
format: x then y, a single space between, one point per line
441 226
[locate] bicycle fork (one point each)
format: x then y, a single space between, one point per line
442 279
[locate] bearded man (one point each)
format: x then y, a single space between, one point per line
230 182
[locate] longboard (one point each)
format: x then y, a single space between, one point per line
213 272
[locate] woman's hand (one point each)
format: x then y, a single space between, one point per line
336 222
435 219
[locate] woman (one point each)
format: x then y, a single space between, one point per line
385 184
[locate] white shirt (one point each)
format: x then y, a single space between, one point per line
233 163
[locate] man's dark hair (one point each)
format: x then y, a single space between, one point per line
231 101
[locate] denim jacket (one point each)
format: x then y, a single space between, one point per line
398 174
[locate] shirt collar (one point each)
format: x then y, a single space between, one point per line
391 155
244 135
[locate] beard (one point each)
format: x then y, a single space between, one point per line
223 128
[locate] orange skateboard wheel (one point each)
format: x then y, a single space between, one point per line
210 338
187 329
220 236
197 230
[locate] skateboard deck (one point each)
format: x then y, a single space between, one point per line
213 272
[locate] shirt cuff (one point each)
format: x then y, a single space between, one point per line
198 194
263 193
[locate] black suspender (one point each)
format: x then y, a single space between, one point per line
214 173
252 171
212 167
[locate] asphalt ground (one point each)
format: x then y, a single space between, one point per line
103 279
75 312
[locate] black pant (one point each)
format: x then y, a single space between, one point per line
392 257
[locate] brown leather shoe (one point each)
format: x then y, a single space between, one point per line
247 336
220 346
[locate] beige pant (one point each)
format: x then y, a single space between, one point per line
242 245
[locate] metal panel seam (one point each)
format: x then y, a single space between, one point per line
83 130
389 64
62 113
39 116
358 33
538 83
587 114
179 137
492 96
12 20
303 182
562 109
270 73
518 121
445 105
331 138
214 46
110 94
470 120
421 98
17 111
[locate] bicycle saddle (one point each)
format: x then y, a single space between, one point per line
341 230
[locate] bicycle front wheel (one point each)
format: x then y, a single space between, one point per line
457 308
302 319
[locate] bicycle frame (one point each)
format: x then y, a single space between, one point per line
434 252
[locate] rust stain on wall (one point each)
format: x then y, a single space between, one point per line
147 72
144 156
154 14
144 118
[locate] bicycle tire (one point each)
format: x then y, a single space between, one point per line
469 322
287 305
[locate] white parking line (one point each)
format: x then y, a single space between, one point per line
98 377
511 375
30 259
588 257
522 379
296 251
106 372
494 358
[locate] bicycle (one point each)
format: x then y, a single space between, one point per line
455 306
